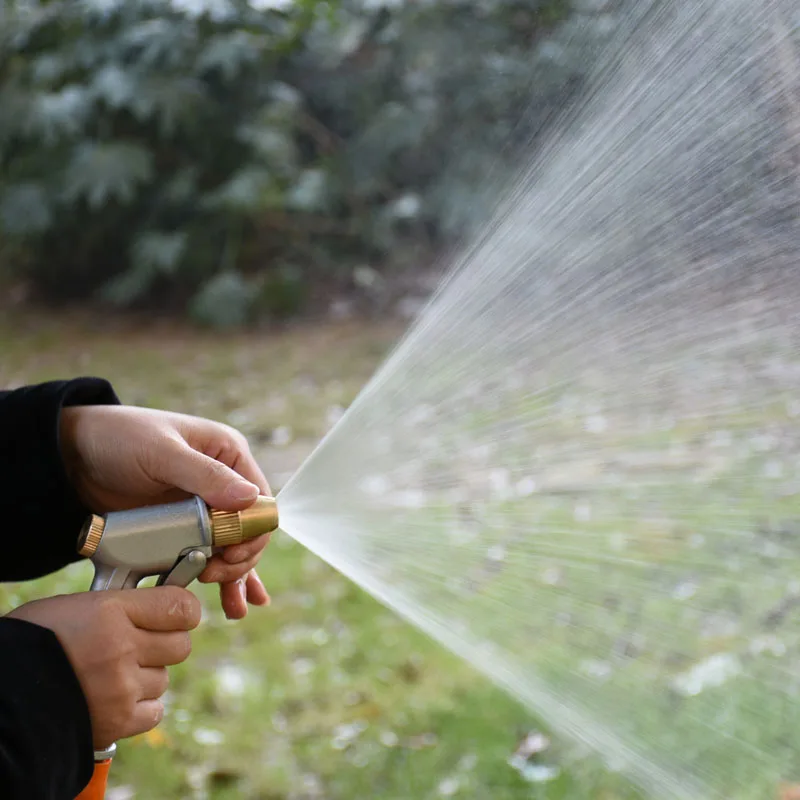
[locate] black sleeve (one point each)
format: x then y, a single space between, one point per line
46 750
41 513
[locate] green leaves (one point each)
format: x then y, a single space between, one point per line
170 101
114 86
102 173
153 254
311 192
165 148
56 115
224 302
25 210
228 53
160 252
245 191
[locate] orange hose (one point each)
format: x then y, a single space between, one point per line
96 788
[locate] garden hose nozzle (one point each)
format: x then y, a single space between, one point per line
173 541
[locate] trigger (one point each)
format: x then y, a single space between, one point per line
186 569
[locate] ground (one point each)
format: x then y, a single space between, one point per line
325 694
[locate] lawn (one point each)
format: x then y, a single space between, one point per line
325 694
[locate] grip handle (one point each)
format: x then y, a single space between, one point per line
96 788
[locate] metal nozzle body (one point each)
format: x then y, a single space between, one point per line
173 541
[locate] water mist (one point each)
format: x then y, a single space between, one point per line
580 468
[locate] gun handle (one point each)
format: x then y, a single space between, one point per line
106 578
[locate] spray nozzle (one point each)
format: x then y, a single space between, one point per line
232 527
173 541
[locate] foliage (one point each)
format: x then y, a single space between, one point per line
154 149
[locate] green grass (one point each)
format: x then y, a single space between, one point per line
324 654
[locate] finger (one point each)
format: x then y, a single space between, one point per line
232 597
248 468
146 715
162 608
225 444
220 572
196 473
163 649
237 553
255 591
154 682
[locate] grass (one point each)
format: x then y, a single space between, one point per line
328 694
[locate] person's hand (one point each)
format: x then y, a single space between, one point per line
121 457
119 644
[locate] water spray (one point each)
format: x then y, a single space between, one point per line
174 542
580 468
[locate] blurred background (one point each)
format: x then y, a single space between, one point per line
234 209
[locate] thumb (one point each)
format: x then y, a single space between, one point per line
212 480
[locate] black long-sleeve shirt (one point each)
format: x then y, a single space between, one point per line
46 748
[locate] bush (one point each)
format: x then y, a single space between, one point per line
172 152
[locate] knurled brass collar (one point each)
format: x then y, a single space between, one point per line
225 528
91 534
232 527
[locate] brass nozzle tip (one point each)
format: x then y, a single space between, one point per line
90 536
232 527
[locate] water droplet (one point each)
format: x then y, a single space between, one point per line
412 498
496 553
696 541
596 423
499 480
583 512
722 439
551 576
599 670
684 590
617 541
763 443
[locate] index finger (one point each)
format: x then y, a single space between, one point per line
162 608
248 468
228 445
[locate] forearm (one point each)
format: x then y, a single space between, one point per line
46 748
42 513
